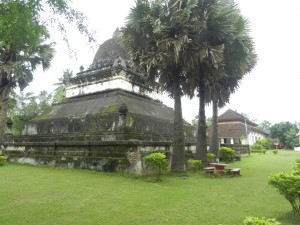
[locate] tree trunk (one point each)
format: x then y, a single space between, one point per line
4 94
178 157
214 138
201 147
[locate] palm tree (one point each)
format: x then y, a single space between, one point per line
59 93
16 69
219 98
218 29
240 59
158 35
213 68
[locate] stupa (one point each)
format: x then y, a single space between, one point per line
110 118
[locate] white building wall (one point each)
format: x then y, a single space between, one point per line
117 82
254 136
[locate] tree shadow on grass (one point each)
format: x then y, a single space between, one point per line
289 218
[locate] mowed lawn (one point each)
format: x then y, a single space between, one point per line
45 195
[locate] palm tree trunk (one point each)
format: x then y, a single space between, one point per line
178 159
214 139
4 94
201 147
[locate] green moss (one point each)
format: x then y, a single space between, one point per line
93 124
111 108
129 121
46 116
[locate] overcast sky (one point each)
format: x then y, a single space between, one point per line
270 92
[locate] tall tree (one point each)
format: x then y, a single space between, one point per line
219 97
239 59
23 41
20 73
219 72
159 35
218 29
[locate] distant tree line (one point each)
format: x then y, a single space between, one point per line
286 133
25 106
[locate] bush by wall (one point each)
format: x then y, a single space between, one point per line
194 164
157 162
2 160
256 148
226 154
266 143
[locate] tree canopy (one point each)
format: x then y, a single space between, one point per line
27 107
265 125
24 32
25 41
286 133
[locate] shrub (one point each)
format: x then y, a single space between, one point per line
194 164
275 152
251 220
2 160
227 154
157 162
256 148
289 186
296 172
297 165
266 143
264 151
211 157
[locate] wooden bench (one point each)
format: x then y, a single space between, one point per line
235 171
209 170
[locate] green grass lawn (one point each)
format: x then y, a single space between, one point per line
44 195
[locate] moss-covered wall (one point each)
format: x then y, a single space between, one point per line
98 132
104 124
102 156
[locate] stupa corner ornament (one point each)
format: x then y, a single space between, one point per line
119 62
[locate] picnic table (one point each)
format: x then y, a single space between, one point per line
220 167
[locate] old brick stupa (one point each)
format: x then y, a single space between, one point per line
108 121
